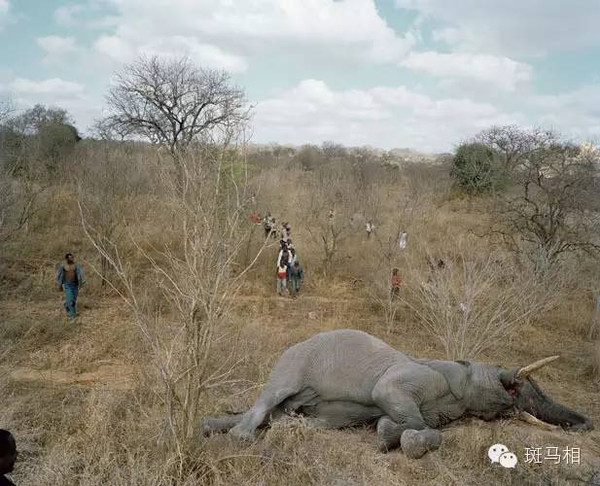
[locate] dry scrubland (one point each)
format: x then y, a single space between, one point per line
87 405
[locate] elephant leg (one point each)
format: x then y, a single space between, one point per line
220 425
224 423
267 404
403 425
338 414
415 443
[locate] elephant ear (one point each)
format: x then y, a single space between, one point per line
456 374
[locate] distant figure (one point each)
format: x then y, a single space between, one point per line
286 232
269 225
296 278
293 256
441 264
283 258
289 244
282 279
402 241
396 284
331 214
70 278
369 227
255 217
8 456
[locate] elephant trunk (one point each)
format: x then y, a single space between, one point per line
531 399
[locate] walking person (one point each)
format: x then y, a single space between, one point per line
268 224
283 260
293 258
296 278
396 284
282 275
402 240
70 278
286 233
8 456
369 227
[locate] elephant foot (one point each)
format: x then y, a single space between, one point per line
416 443
241 434
389 433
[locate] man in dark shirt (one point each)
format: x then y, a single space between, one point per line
8 456
70 278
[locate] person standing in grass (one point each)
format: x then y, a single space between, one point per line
8 456
282 274
296 278
369 227
70 278
396 284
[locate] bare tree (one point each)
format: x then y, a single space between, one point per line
555 208
18 204
6 109
514 143
379 290
195 278
109 178
331 209
474 304
171 102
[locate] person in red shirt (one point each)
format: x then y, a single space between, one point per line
396 283
255 217
282 275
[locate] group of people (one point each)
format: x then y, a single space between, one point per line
290 273
370 229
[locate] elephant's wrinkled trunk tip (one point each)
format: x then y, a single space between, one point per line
527 370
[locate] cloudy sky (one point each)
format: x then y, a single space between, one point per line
423 74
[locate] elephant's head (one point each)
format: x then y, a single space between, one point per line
492 391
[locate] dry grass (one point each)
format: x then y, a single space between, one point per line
82 399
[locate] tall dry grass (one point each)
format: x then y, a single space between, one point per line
91 428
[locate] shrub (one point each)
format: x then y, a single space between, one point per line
476 169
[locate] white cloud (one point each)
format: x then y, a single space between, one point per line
57 48
575 113
84 15
66 15
501 72
115 48
381 116
227 33
513 27
55 87
120 50
4 10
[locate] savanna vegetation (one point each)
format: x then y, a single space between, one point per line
179 318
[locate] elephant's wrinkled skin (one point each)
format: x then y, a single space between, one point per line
347 377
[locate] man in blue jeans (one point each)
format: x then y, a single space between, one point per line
296 276
69 278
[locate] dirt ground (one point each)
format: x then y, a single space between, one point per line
56 382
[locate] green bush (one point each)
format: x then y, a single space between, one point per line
476 169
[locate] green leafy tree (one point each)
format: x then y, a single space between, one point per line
475 168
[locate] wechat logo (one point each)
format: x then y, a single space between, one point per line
499 453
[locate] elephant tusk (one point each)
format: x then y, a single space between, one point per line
527 370
530 419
